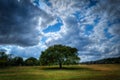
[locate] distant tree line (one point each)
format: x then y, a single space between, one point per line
115 60
9 60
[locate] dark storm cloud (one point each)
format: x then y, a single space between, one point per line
18 22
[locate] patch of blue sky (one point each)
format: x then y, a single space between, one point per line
116 21
88 29
92 3
36 2
78 15
47 2
40 4
109 23
43 39
107 34
54 28
96 21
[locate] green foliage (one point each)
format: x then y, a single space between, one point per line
17 61
59 54
3 59
31 61
10 60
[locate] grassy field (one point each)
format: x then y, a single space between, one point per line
76 72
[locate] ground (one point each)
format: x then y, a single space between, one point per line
74 72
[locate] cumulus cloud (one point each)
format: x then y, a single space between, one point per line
115 29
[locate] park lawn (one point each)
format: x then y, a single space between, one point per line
74 72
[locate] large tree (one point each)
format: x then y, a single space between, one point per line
59 54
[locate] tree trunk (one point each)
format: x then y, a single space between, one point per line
60 65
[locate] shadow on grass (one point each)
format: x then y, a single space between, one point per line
65 68
5 67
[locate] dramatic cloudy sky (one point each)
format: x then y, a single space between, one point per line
28 27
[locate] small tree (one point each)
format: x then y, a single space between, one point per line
17 61
31 61
59 54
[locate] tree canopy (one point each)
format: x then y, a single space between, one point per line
59 54
17 61
31 61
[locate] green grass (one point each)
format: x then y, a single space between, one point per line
75 72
